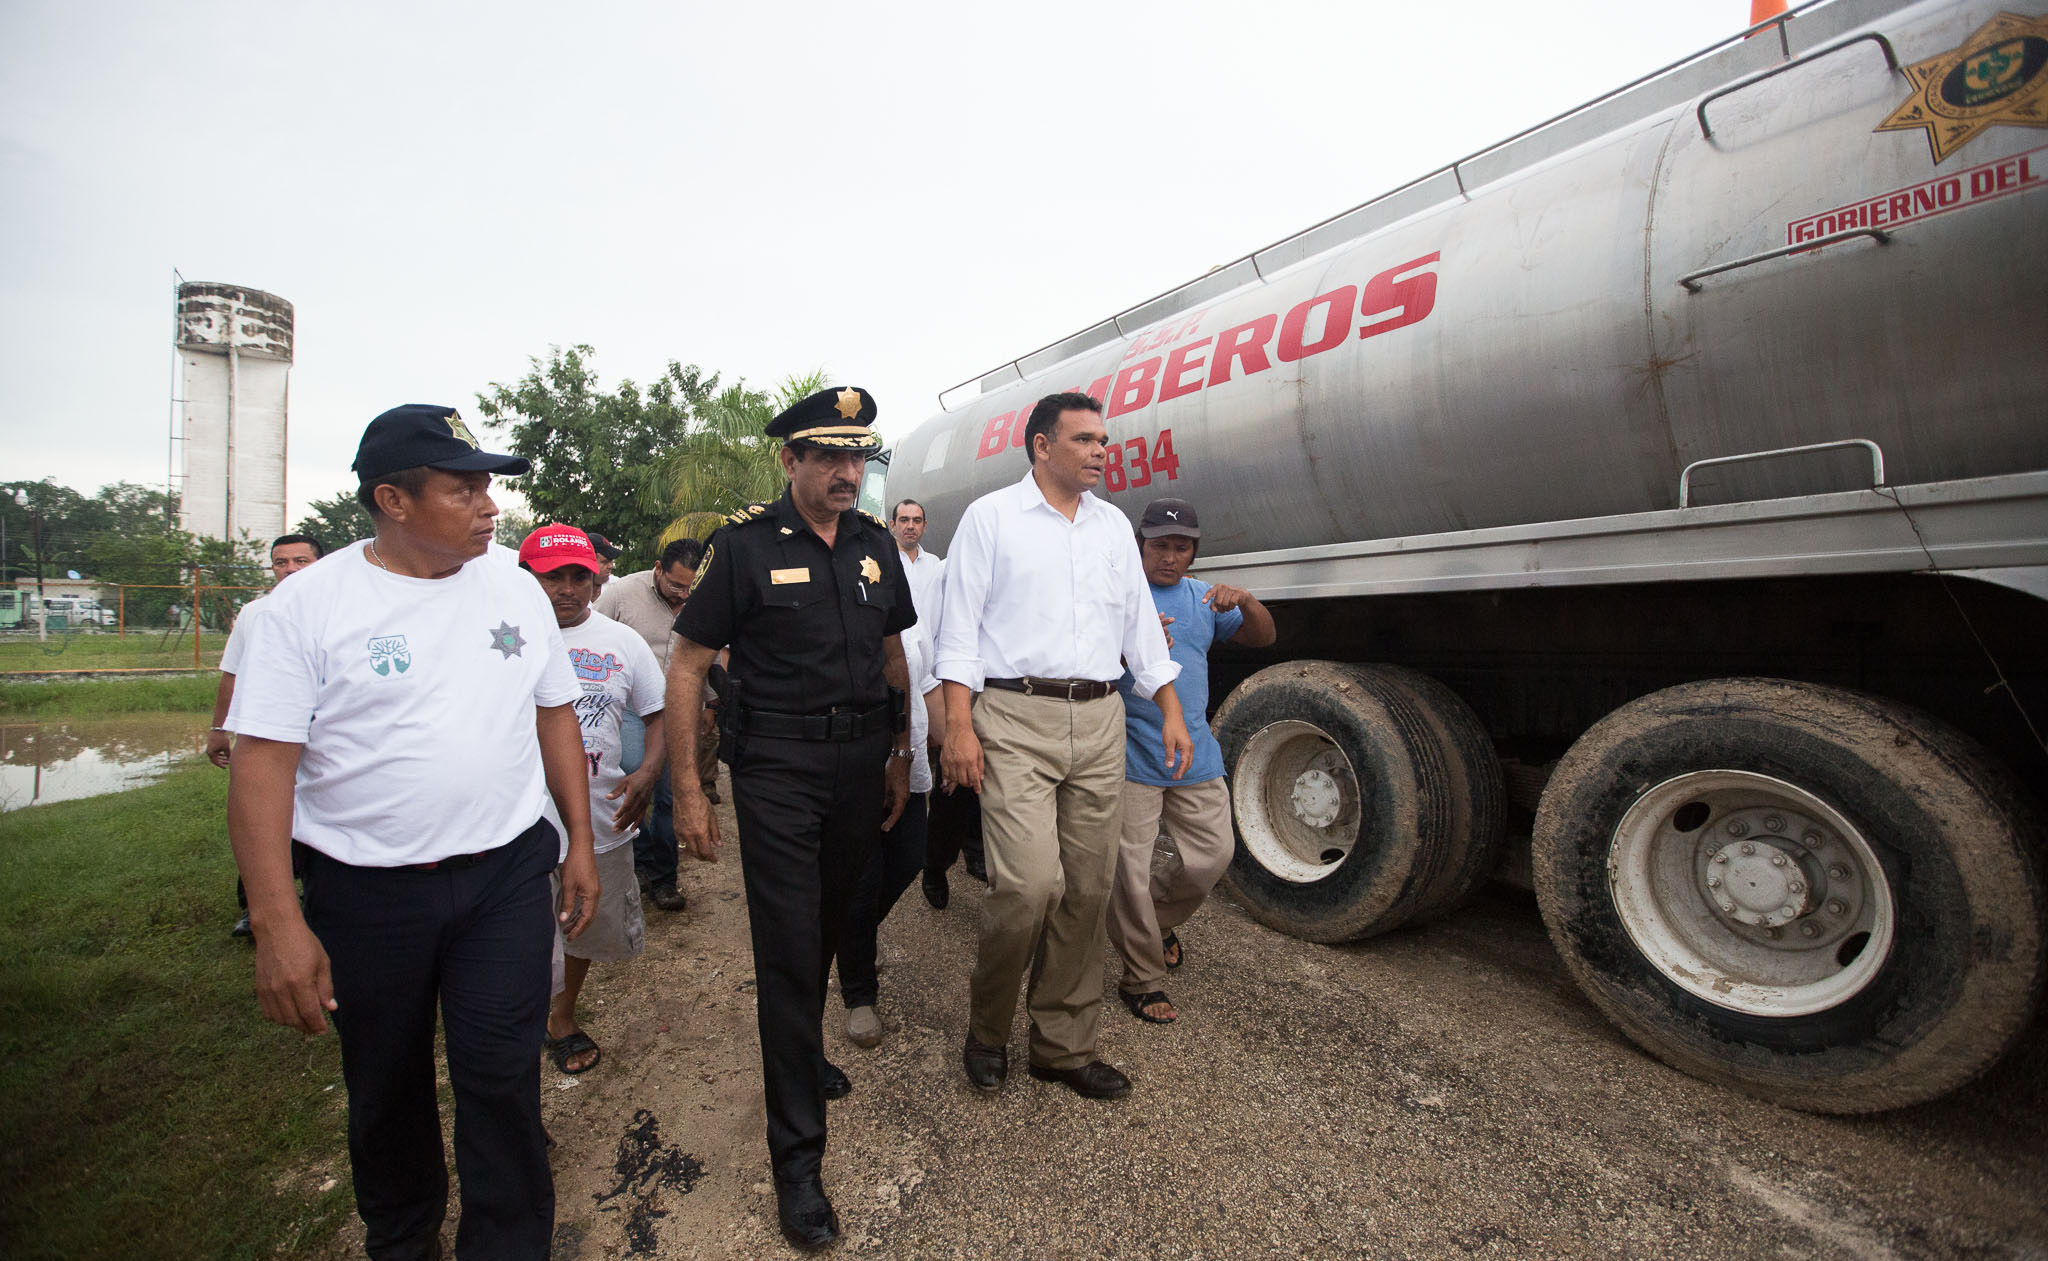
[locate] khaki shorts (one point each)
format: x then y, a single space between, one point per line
619 931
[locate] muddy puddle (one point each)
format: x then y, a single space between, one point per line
63 760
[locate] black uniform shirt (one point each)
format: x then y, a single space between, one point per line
805 623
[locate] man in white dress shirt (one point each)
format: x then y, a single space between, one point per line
1045 601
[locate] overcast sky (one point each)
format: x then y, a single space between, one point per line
902 195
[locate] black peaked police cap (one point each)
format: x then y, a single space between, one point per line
834 419
426 435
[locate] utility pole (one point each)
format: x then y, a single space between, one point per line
35 519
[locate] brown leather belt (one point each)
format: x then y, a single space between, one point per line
1057 689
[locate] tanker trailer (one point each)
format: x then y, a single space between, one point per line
1667 483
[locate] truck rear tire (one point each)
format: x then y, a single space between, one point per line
1815 896
1342 801
1479 794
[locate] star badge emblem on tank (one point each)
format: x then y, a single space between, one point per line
507 641
1998 77
848 404
869 570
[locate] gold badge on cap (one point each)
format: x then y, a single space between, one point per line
1998 77
848 404
456 429
869 569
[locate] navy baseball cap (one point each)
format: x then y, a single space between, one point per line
426 435
1169 516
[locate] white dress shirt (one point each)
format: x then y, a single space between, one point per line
926 574
1028 592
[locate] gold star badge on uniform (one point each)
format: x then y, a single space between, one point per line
870 570
1994 78
848 404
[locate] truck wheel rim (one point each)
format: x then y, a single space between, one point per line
1297 801
1751 893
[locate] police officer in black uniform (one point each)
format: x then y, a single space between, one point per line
809 594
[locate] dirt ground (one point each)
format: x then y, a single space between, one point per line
1442 1091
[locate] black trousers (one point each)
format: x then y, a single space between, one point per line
477 939
954 829
897 858
654 847
808 812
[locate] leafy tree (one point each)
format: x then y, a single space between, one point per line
336 522
595 452
513 526
727 461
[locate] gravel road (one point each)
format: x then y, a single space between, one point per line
1443 1091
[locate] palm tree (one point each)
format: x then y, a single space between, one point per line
727 461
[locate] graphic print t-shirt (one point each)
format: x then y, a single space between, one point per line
617 672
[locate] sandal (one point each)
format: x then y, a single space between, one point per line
561 1050
1172 943
1139 1002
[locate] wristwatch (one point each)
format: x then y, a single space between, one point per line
902 753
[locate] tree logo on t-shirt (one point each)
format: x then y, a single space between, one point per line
388 653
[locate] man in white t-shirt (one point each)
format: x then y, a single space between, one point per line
619 675
289 553
404 709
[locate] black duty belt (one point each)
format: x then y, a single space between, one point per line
1057 689
839 725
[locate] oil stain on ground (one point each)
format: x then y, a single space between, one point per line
646 1165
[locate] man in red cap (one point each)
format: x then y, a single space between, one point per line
617 673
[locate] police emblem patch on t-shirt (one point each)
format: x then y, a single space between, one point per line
388 653
507 640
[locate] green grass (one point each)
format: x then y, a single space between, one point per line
104 650
146 1108
97 698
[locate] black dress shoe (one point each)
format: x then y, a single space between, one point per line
666 896
808 1221
977 868
935 890
242 929
1093 1080
836 1084
986 1065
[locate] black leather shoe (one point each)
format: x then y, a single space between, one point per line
241 928
935 890
808 1221
977 868
666 896
986 1065
1093 1080
836 1084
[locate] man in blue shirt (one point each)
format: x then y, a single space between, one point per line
1150 902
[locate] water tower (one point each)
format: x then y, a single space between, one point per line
234 352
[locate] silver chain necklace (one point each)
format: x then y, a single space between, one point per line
379 559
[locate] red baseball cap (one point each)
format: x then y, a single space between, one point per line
553 546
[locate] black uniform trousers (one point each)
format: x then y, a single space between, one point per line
954 828
808 811
477 938
895 862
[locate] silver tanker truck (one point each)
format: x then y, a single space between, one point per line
1668 483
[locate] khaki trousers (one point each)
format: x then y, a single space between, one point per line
1156 894
1051 805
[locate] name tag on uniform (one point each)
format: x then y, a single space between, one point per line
780 576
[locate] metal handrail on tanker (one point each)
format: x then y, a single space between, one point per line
1876 462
